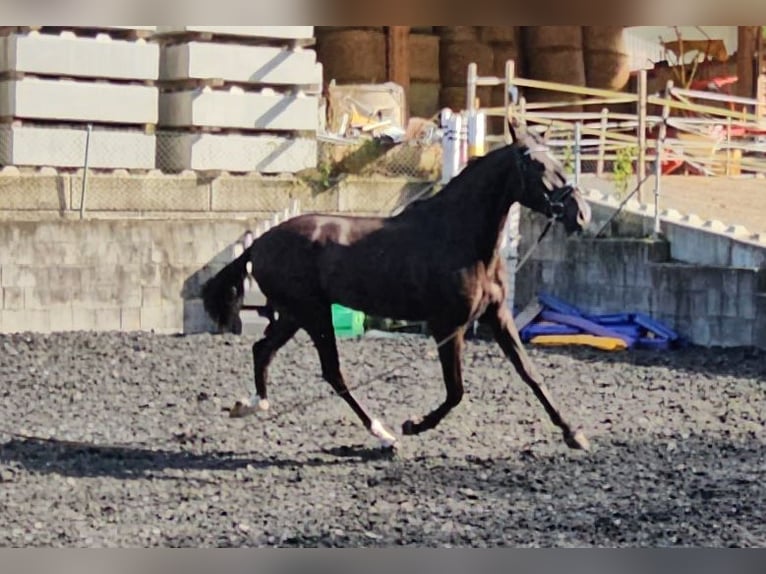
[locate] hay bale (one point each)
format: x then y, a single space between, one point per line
558 66
499 34
424 58
353 56
564 67
454 58
424 99
501 53
457 33
605 57
552 37
554 54
496 100
455 97
422 29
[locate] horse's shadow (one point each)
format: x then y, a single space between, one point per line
81 459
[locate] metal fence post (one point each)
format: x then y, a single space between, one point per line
85 170
577 152
662 134
642 97
602 142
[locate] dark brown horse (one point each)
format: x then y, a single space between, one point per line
437 261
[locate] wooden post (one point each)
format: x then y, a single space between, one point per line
641 167
510 73
398 60
746 45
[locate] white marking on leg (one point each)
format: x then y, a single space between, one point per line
262 404
379 431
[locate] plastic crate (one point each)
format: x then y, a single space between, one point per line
347 322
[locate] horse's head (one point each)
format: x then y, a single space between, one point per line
222 297
546 188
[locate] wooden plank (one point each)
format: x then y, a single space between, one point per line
398 57
528 314
746 43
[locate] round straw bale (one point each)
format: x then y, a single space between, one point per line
424 99
454 58
455 97
501 53
607 70
606 38
606 57
353 56
424 58
552 37
565 66
499 34
457 33
422 29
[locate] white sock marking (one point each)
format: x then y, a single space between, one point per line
379 431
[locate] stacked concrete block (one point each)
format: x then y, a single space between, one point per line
54 82
238 99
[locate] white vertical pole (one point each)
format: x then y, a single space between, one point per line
577 153
450 145
477 130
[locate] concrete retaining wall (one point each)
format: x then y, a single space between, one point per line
108 275
138 261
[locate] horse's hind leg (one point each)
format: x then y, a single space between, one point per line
449 356
279 332
322 334
499 318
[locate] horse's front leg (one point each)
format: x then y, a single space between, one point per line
449 356
499 318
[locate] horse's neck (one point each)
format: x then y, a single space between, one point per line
472 214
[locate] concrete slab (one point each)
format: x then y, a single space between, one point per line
65 147
238 109
65 100
107 192
278 32
47 54
235 152
238 63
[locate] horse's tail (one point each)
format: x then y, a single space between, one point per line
223 293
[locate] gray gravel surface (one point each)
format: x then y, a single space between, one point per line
141 453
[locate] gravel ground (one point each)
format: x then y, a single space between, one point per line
677 447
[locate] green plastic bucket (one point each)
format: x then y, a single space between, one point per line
347 322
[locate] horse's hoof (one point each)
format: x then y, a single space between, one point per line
386 438
240 409
410 427
577 441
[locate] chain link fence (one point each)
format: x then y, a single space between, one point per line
79 169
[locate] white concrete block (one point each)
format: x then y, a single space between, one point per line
235 152
33 98
244 110
79 57
279 32
65 147
238 63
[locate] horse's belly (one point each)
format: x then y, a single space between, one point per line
383 288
